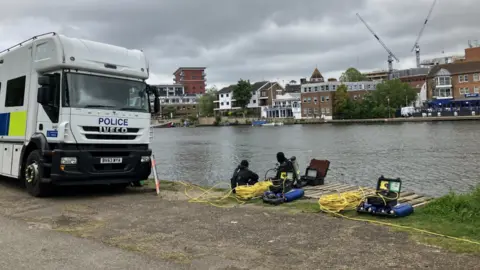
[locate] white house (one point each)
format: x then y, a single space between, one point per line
262 93
284 106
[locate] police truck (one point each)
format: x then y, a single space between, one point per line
74 112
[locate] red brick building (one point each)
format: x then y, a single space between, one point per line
192 78
458 81
318 96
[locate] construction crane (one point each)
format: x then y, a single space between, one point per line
391 56
416 47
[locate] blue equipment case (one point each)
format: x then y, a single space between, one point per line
385 201
279 198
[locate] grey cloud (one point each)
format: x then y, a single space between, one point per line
255 39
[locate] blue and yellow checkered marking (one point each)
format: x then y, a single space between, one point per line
13 123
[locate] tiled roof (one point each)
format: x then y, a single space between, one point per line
456 68
316 74
227 89
292 88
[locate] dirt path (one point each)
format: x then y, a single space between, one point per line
198 236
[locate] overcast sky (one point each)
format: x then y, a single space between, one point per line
253 39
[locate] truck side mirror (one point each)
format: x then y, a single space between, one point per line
156 105
46 90
44 80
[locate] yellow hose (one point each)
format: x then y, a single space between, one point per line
212 197
250 192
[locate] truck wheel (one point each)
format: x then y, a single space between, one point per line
33 174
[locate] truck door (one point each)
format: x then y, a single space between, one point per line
47 116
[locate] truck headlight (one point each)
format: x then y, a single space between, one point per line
145 159
68 160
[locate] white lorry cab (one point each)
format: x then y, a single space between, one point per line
74 112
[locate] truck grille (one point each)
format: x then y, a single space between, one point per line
97 129
109 137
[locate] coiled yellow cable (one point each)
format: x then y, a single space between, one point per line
250 192
211 196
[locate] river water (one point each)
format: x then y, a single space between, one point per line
430 158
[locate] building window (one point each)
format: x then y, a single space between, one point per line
315 111
228 95
316 89
464 90
442 92
228 103
309 89
322 87
327 98
315 100
444 80
323 98
476 90
221 103
221 95
355 87
334 87
305 111
463 78
304 100
327 110
476 77
323 110
15 92
355 97
254 101
309 100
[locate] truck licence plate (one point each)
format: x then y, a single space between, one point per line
106 160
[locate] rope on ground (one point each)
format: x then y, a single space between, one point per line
335 203
212 197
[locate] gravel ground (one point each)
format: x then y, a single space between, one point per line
143 229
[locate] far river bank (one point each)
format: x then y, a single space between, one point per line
231 121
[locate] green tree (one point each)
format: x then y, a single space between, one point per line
206 102
394 94
352 75
242 93
341 101
169 111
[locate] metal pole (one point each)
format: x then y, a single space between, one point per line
388 100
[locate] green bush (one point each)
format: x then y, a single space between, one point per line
463 208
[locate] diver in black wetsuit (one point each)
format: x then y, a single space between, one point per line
243 176
285 165
281 183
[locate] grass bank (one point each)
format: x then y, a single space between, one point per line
456 215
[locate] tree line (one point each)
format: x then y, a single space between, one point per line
379 103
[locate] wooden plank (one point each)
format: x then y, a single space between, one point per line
409 198
342 189
326 185
333 186
420 204
406 194
419 200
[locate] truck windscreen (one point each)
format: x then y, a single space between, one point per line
92 91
